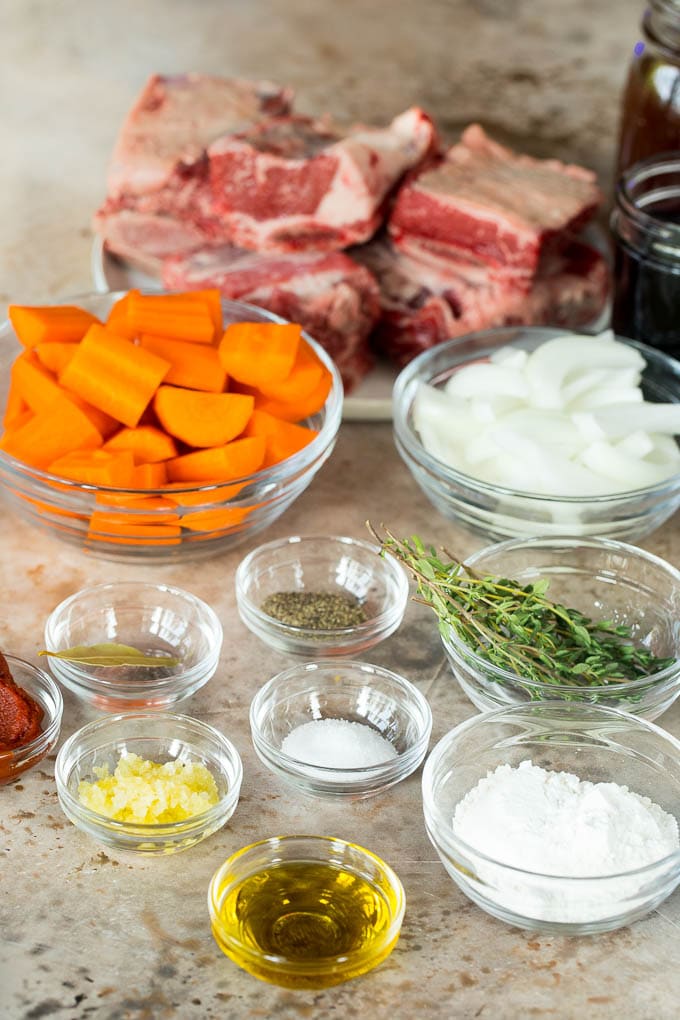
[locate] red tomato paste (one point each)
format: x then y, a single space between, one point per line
20 715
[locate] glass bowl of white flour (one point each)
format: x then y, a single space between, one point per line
557 817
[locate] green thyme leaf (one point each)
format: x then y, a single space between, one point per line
517 627
111 654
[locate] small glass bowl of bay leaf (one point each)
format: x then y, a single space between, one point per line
132 645
321 595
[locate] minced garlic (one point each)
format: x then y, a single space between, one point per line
146 793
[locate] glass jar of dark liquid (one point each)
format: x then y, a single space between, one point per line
650 115
645 223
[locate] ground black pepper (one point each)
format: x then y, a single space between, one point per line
316 610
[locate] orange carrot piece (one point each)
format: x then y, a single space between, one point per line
178 316
303 407
259 352
216 520
138 501
283 439
50 434
102 421
149 476
202 419
303 378
16 408
213 300
121 530
38 387
55 355
95 467
147 443
118 318
236 459
36 324
218 494
114 374
21 418
194 366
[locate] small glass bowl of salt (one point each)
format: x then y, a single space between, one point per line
340 728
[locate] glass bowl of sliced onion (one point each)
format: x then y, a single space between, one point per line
523 431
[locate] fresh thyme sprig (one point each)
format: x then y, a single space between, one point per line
516 627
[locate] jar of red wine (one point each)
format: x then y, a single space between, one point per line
645 223
650 115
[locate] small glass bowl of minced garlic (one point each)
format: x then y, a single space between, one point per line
148 782
305 912
321 595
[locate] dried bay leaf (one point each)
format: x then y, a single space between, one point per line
111 654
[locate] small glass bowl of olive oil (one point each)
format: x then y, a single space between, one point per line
305 911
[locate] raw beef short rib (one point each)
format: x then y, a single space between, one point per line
295 183
423 305
158 188
334 299
175 119
491 206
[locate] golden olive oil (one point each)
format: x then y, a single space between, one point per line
313 916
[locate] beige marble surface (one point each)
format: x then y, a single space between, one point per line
84 933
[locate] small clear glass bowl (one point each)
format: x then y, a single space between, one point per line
605 580
602 745
348 690
157 619
154 736
313 917
322 563
42 689
170 523
497 512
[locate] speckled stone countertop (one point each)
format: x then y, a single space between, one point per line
84 933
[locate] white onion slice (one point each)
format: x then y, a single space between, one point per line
623 470
557 361
567 420
621 419
483 377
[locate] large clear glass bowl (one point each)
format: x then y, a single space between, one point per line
600 745
496 512
211 518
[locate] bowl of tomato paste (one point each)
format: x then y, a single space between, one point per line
30 716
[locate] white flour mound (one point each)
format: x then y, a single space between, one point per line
553 823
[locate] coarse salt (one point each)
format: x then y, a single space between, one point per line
555 824
338 744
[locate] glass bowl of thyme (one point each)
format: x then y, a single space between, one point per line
555 619
132 645
321 595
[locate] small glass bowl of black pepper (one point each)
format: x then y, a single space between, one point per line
321 595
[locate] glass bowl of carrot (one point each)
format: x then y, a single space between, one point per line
160 426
